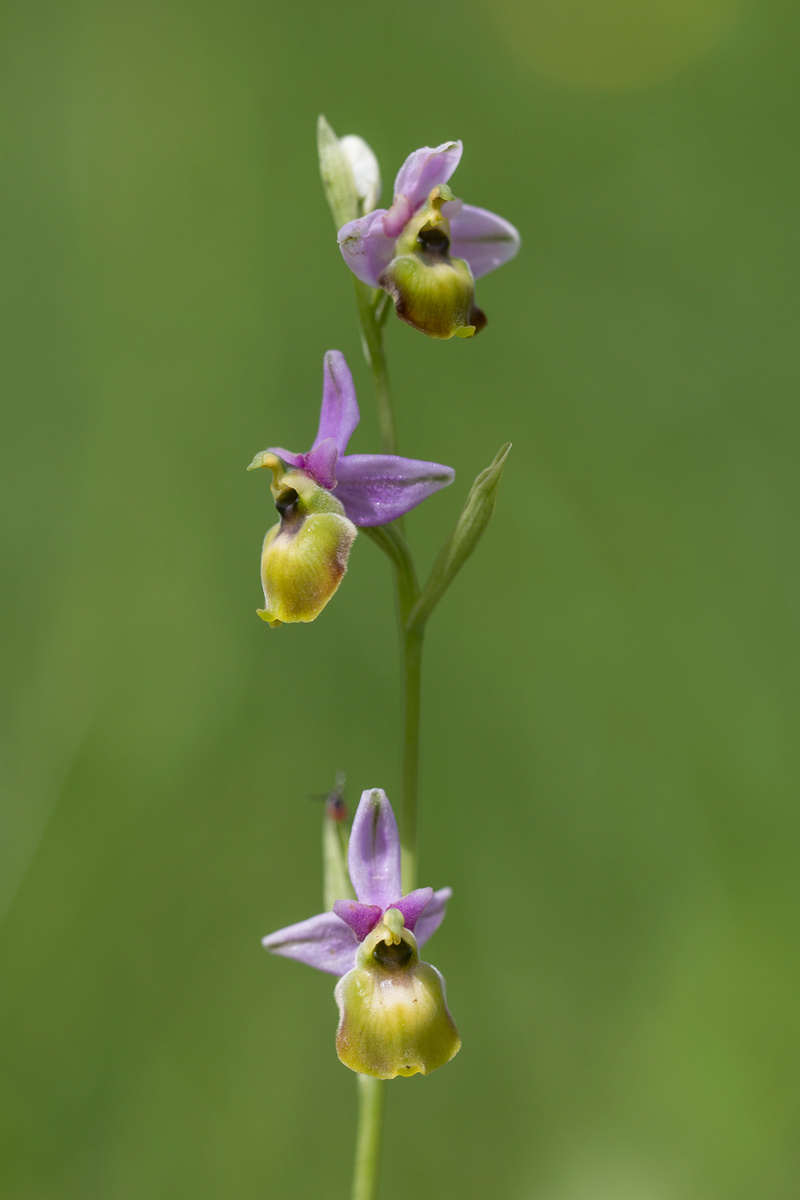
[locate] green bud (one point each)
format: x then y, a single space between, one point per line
393 1016
304 557
432 291
462 541
338 180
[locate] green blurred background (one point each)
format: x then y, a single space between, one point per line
610 757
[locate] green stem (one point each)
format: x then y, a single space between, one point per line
372 343
371 1100
412 677
391 540
394 545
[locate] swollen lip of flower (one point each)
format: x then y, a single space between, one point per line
304 557
393 1015
427 250
323 495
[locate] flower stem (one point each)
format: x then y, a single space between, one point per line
391 540
412 676
372 344
393 543
371 1100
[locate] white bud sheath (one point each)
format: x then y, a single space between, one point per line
366 172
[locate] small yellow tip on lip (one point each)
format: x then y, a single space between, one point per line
273 622
266 459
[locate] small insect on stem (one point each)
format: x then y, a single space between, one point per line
335 806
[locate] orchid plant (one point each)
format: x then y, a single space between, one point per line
422 254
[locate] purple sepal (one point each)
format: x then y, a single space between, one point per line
366 246
377 488
339 413
324 942
433 915
413 905
373 857
424 169
362 918
481 237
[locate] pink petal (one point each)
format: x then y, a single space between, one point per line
398 216
413 905
426 168
433 915
293 460
362 918
321 463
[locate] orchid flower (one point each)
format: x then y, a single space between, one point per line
323 495
428 248
393 1016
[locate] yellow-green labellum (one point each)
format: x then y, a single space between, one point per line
393 1016
304 557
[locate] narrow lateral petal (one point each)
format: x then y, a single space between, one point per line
426 168
433 915
413 905
339 413
398 216
323 942
377 488
374 854
362 918
293 460
483 238
366 247
321 463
